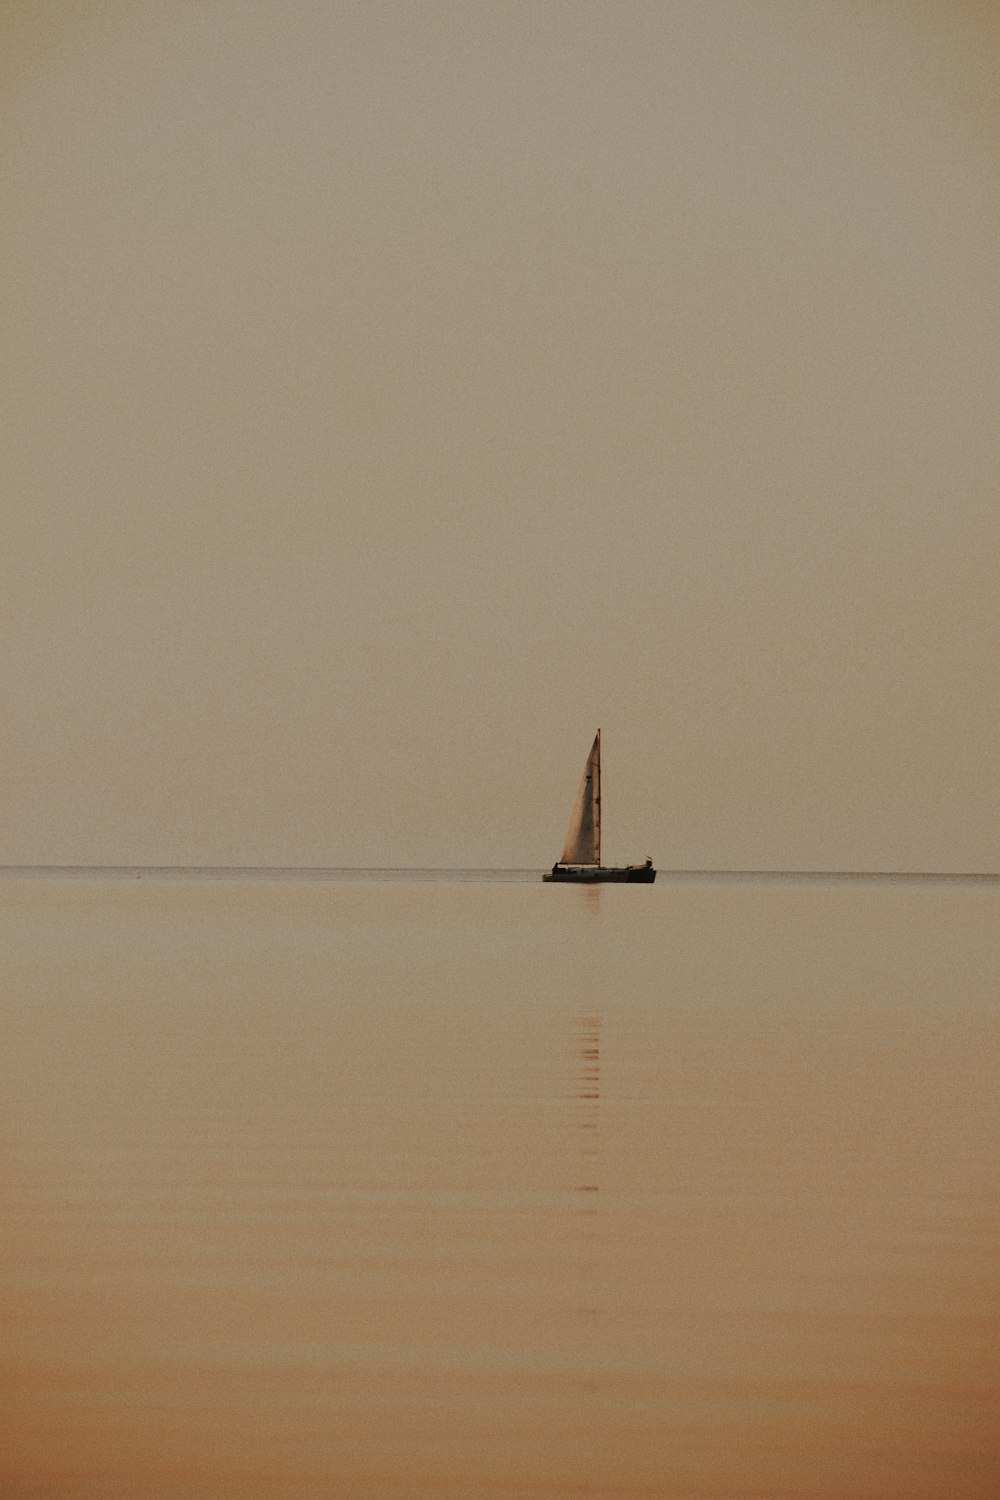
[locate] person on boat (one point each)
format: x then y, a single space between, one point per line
649 863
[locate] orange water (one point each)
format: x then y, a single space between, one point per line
410 1190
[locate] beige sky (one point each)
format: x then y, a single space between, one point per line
395 392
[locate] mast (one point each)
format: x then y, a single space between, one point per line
597 801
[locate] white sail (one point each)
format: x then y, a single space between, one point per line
583 836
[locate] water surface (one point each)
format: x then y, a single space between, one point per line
388 1188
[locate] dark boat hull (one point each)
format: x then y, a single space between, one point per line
598 874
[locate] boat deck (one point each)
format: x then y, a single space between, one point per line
593 874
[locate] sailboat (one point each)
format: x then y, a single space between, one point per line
580 859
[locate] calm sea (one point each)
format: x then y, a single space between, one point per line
395 1188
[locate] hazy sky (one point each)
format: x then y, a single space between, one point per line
393 393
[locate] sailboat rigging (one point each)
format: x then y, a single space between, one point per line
580 859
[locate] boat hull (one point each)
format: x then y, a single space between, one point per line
598 874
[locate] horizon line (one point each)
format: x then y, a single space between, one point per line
677 873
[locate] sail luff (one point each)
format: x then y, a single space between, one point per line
597 802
